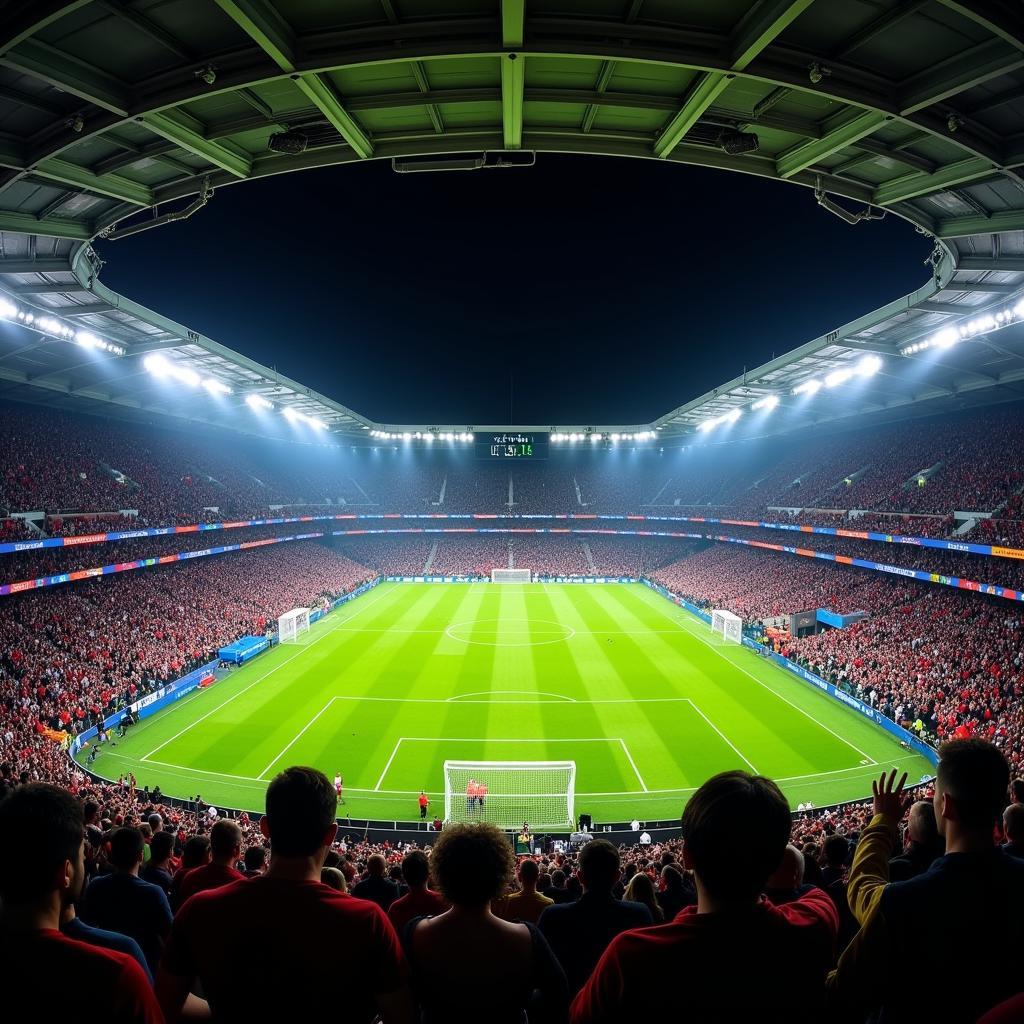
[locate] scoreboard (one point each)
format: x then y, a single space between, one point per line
511 445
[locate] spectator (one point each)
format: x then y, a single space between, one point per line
123 902
335 879
158 868
964 914
1013 830
527 904
420 900
641 890
557 892
579 932
194 854
284 934
468 964
225 852
254 860
922 847
374 886
735 830
787 881
42 869
676 892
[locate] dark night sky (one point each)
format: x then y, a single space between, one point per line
612 290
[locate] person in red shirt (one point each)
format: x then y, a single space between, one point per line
734 955
225 851
424 802
42 871
285 935
420 900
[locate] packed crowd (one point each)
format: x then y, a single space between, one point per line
165 915
70 656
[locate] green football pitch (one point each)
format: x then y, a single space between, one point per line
639 693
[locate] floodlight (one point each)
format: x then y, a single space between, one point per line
470 437
407 436
290 414
258 402
837 377
733 416
594 438
767 403
808 387
8 309
945 338
869 366
216 387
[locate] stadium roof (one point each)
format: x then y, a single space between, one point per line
116 113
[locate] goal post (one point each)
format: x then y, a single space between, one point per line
511 576
508 793
292 625
727 625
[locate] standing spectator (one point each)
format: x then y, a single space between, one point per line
194 854
787 881
468 964
375 887
284 934
527 904
579 932
123 902
923 844
225 851
42 869
420 900
735 829
965 914
158 868
557 892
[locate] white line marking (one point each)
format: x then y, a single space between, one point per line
684 625
483 693
259 679
632 764
388 765
295 739
816 778
724 737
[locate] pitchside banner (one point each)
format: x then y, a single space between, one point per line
827 531
912 741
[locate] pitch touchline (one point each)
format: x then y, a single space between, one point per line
259 679
251 782
683 624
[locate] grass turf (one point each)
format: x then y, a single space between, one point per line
639 693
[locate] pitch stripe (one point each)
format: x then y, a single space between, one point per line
684 625
295 739
302 650
735 749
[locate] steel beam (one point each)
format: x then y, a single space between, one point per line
55 227
1013 264
761 26
69 74
958 227
989 17
34 16
111 185
806 154
958 74
911 186
261 21
513 72
42 266
190 137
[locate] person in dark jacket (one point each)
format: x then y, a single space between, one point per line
579 932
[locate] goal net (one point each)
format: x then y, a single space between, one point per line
509 793
727 625
292 625
510 576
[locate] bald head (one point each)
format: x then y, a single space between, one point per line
790 872
921 824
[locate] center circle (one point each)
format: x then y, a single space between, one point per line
511 632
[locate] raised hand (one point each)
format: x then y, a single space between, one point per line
889 797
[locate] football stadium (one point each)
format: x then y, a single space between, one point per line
464 555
